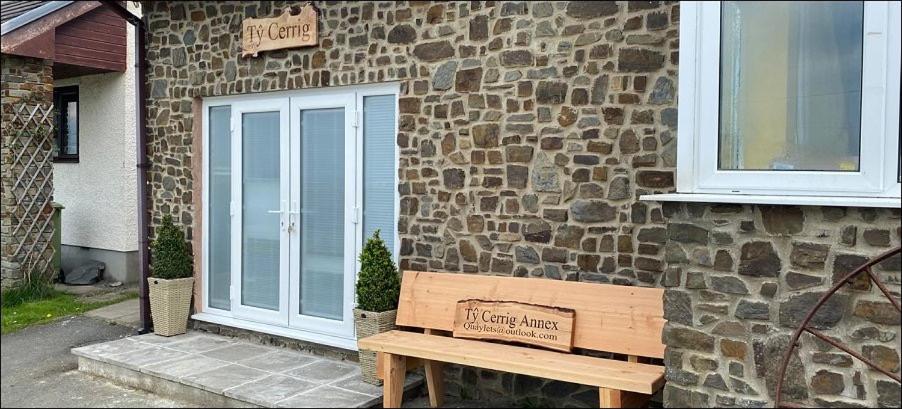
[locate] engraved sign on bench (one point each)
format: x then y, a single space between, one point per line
547 327
285 31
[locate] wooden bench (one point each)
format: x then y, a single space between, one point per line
622 320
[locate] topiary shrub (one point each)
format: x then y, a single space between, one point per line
378 284
171 258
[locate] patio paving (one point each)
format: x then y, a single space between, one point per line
216 370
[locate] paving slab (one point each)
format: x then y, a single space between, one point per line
324 371
201 344
269 390
174 370
105 349
324 397
219 379
155 339
127 313
239 372
279 361
356 384
238 352
147 356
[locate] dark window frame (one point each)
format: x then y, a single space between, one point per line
61 97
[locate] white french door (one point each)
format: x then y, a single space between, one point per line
293 182
260 194
324 214
296 232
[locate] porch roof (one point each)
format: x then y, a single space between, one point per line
15 14
80 37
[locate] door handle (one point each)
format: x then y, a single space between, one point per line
281 212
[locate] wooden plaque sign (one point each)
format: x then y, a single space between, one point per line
547 327
285 31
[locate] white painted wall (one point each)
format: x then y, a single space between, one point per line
99 191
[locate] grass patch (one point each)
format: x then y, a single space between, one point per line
32 291
37 306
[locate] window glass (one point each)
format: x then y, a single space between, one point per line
323 212
790 85
379 166
261 229
65 101
220 199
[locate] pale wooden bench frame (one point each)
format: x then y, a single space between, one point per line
617 319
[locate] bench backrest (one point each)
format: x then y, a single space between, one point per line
612 318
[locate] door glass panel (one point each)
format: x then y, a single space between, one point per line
220 197
322 224
791 85
379 168
260 219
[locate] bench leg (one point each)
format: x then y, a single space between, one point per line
435 383
609 398
614 398
412 363
393 388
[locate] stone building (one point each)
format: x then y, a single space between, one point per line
540 139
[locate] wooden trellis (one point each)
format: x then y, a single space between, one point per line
30 235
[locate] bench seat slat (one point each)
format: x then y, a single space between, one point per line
607 373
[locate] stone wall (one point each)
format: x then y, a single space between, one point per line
740 279
527 129
29 82
527 132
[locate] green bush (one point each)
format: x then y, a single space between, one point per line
171 258
378 284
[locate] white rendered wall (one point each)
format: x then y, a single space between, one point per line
99 191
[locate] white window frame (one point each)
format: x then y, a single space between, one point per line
699 93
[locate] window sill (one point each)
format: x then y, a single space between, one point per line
65 160
776 200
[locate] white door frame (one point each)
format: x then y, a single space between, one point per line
239 310
256 102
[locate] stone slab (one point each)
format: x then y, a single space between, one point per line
269 390
201 344
158 386
192 365
323 371
219 379
210 369
238 352
147 356
124 313
327 397
279 361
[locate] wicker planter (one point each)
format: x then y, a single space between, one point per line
170 301
369 324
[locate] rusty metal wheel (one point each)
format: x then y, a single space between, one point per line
803 327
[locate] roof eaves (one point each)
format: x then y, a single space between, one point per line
32 15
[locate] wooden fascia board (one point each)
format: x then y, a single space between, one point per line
19 41
41 46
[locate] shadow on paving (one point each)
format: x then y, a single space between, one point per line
38 371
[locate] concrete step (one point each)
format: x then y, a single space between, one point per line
218 371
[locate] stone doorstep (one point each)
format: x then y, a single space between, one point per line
215 370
